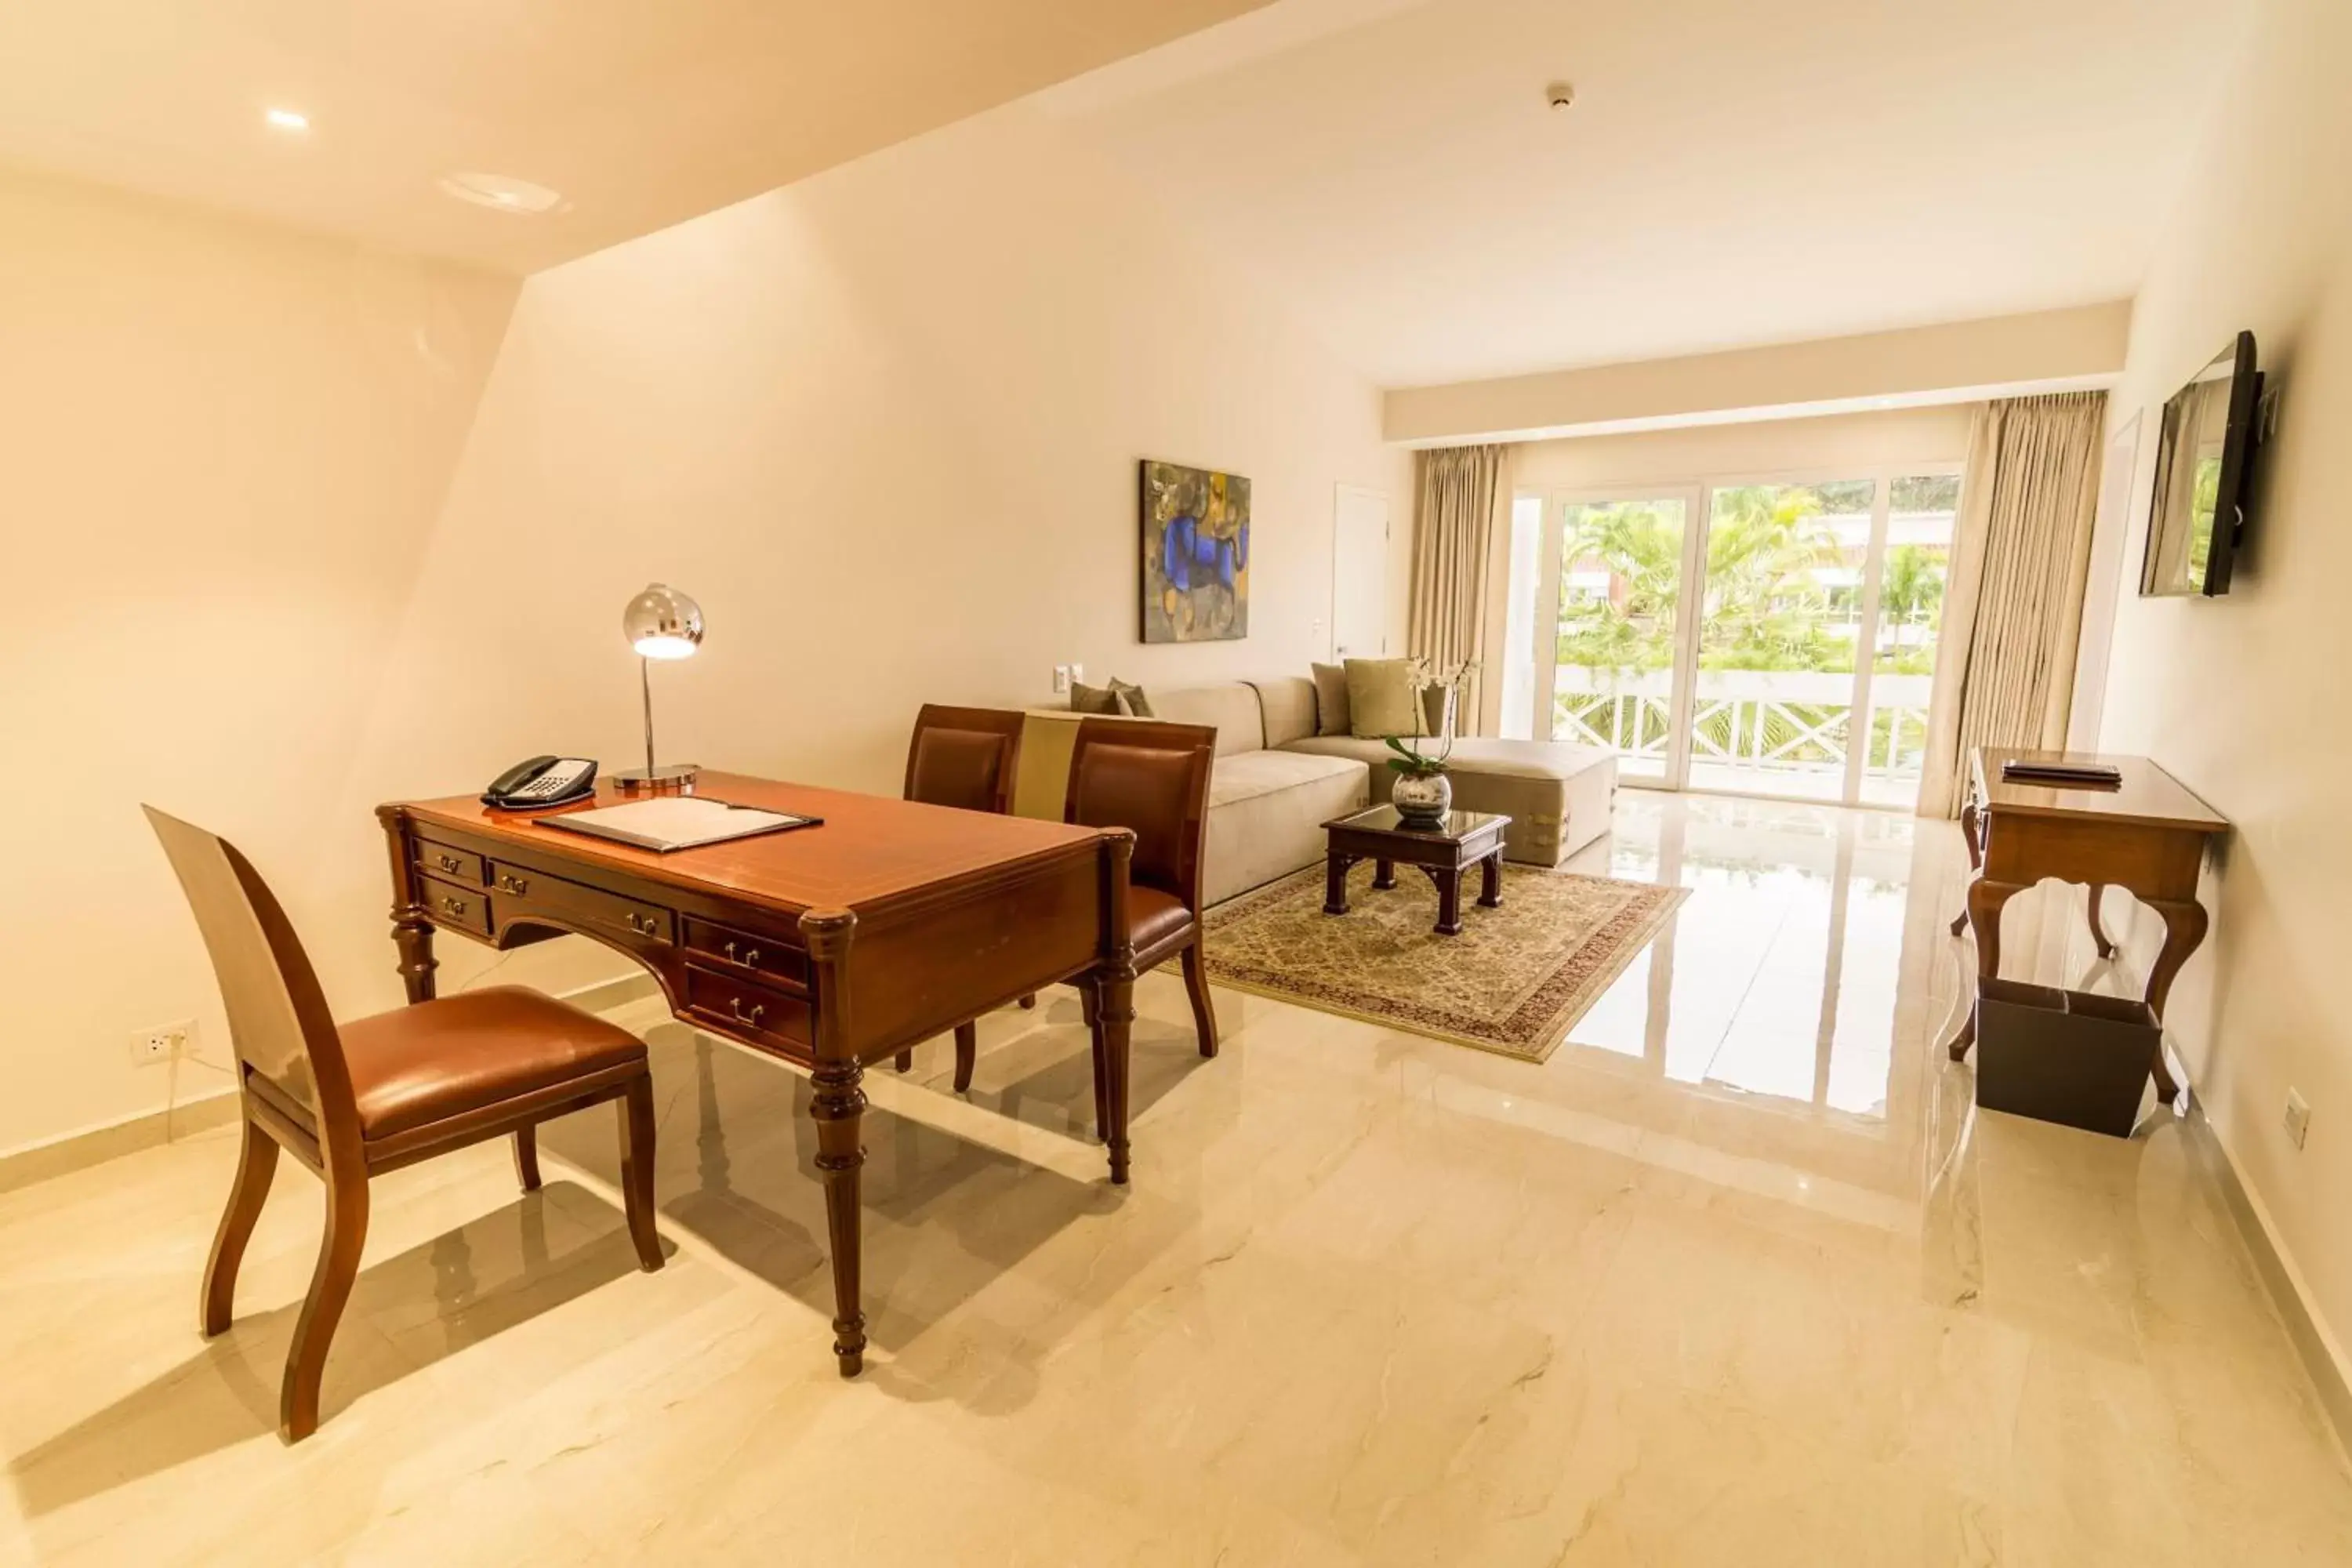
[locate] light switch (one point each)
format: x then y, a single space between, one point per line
1061 680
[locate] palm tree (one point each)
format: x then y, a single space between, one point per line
1913 587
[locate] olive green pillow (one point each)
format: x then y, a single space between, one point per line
1379 698
1085 698
1330 698
1132 700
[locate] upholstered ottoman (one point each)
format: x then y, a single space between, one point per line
1557 795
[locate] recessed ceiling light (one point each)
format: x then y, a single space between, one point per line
502 193
286 119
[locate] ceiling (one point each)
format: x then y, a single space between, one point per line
639 113
1732 173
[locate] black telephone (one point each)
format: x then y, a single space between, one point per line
537 783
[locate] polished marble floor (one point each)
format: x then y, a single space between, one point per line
1738 1276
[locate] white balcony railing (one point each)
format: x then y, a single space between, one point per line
1763 725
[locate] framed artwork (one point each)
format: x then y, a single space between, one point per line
1196 538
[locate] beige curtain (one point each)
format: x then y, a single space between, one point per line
1460 490
2014 603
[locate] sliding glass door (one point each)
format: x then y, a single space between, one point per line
1772 637
1614 577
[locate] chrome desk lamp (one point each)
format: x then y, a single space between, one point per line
660 623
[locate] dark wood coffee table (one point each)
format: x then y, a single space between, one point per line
1463 839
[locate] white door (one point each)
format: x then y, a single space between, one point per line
1360 574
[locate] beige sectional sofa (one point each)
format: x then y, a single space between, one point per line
1277 781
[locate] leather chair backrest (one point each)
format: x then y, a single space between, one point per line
1152 778
963 757
278 1019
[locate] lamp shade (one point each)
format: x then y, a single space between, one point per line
662 623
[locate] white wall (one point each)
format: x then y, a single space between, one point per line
222 447
1818 449
883 423
2044 351
2244 698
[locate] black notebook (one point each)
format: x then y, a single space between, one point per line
2026 770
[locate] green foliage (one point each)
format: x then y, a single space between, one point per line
1764 606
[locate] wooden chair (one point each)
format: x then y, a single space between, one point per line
352 1101
1151 777
966 758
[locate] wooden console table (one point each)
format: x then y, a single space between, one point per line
830 947
2147 837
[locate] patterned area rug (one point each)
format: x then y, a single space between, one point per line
1513 982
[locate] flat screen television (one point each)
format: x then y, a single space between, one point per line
2204 457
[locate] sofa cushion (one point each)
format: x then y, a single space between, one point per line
1379 698
1287 704
1557 796
1230 708
1250 773
1266 811
1330 698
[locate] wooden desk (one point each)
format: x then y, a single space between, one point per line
2147 837
831 947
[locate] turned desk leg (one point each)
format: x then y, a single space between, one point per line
2098 933
1986 900
412 936
1976 854
837 1106
1114 1011
2184 928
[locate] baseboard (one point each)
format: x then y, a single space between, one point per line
96 1145
2325 1361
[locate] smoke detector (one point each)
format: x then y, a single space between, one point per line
1560 94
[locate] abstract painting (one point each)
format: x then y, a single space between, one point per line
1196 540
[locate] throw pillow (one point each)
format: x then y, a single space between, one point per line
1132 700
1379 698
1085 698
1330 698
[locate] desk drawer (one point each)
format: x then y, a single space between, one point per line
740 1007
449 864
764 954
522 891
462 908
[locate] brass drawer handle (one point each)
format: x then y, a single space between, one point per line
643 925
453 906
752 1017
449 862
750 959
508 883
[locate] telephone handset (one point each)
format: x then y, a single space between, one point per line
537 783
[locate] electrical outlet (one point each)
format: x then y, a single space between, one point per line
1061 680
161 1043
2297 1119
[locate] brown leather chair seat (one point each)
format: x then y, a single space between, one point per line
425 1063
1152 916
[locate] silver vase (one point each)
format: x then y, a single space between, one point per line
1423 800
